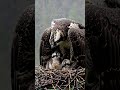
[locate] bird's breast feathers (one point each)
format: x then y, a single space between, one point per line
64 44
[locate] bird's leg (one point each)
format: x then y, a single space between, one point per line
63 52
71 55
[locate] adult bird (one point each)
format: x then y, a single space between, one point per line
63 38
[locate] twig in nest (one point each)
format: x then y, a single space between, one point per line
59 79
70 82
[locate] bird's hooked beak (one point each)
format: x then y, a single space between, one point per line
55 37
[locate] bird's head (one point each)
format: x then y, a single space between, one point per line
58 34
56 60
76 25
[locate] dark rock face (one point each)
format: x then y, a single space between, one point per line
113 3
23 51
105 3
102 48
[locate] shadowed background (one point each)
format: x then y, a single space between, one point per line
10 12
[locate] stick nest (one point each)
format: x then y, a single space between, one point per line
59 79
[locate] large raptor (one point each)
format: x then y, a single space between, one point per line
67 39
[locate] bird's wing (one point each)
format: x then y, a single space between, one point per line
77 41
45 48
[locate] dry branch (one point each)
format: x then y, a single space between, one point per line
59 79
